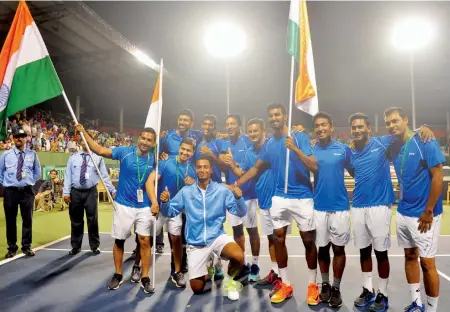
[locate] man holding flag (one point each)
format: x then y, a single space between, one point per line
296 204
131 200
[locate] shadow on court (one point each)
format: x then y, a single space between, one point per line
55 281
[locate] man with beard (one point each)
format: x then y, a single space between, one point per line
19 171
131 202
173 174
419 169
171 142
297 203
232 153
205 204
371 207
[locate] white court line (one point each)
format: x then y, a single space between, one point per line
443 275
34 249
261 256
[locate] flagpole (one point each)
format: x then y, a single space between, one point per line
87 146
156 167
291 97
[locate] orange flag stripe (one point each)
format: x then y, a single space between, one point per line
22 19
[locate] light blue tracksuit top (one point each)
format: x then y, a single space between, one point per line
205 215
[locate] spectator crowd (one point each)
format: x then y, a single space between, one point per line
54 133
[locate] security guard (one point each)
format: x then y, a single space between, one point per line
19 171
80 193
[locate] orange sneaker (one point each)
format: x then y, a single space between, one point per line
312 297
283 293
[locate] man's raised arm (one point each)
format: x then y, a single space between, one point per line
97 149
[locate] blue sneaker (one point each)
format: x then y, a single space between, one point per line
380 304
414 307
254 273
366 298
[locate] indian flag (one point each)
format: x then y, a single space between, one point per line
154 112
26 70
299 46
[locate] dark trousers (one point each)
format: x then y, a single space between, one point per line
160 239
13 198
81 201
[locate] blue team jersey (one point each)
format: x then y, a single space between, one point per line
238 150
265 184
299 180
215 145
172 174
128 177
172 141
412 162
373 184
330 193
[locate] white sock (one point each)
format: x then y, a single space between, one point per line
255 260
245 259
432 304
383 286
275 268
312 275
367 280
415 293
284 276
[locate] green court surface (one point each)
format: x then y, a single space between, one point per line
50 226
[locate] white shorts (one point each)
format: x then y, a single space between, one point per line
174 225
125 217
198 257
332 227
408 235
250 220
267 223
285 209
372 225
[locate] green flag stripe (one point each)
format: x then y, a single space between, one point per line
33 83
293 44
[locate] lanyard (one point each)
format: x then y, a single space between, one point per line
140 179
178 175
405 150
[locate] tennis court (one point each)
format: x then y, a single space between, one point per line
55 281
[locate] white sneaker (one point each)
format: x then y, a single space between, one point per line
233 287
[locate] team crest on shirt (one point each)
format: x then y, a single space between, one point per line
412 154
4 96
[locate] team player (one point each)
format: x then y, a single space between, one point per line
205 204
170 144
419 170
371 208
331 206
132 205
265 188
210 146
233 151
297 203
173 174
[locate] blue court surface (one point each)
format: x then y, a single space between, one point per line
55 281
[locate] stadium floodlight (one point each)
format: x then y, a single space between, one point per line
224 40
412 34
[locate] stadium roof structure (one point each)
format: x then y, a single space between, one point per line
92 59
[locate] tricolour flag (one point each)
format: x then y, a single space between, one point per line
152 120
26 70
299 46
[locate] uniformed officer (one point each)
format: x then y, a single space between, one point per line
80 193
19 171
